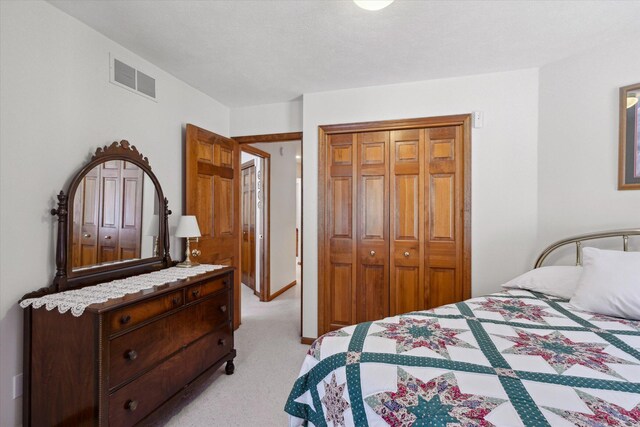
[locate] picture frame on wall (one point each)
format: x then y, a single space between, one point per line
629 151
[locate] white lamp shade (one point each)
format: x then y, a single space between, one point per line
153 229
188 227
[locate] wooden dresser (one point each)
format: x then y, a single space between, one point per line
121 360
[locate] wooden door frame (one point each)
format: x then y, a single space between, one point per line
244 142
247 165
265 242
325 131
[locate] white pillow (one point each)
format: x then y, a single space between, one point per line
609 284
559 281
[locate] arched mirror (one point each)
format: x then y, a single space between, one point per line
112 221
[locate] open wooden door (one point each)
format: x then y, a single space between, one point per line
212 194
249 225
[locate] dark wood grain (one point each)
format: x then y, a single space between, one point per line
212 194
138 350
266 138
394 230
77 372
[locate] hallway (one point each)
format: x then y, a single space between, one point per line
268 361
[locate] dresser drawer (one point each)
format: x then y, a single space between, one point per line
203 289
137 313
137 399
138 350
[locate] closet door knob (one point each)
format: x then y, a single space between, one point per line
406 254
372 253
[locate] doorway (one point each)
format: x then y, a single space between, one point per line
276 203
249 229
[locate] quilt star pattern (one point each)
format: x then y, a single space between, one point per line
514 358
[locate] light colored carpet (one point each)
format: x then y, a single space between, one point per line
268 361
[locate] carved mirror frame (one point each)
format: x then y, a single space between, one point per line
65 278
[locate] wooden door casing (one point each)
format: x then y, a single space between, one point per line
212 194
424 182
249 225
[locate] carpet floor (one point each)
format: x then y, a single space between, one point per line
268 361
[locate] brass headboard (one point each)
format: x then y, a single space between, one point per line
577 240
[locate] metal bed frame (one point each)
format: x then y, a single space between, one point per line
577 240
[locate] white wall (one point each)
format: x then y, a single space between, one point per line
504 164
578 143
57 106
269 118
283 213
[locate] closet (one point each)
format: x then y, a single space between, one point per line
107 222
394 232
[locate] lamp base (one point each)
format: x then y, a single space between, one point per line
187 264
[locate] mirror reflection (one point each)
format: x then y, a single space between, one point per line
115 216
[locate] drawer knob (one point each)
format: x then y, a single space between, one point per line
195 293
223 308
131 405
222 342
406 254
176 300
225 282
372 253
132 355
125 319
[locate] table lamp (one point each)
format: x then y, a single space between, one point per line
154 230
188 228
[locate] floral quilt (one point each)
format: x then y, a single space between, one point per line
514 358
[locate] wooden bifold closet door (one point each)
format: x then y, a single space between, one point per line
394 236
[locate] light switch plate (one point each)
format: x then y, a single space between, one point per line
478 119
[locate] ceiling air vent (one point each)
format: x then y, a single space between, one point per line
129 78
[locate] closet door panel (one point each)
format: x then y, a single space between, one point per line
443 288
407 221
89 210
130 233
444 198
372 292
340 274
109 212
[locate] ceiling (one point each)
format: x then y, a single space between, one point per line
257 52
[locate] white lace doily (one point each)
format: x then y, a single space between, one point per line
78 299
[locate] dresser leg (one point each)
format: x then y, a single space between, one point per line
230 367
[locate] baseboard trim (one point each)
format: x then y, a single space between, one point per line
307 341
283 290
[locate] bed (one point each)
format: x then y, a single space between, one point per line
512 358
